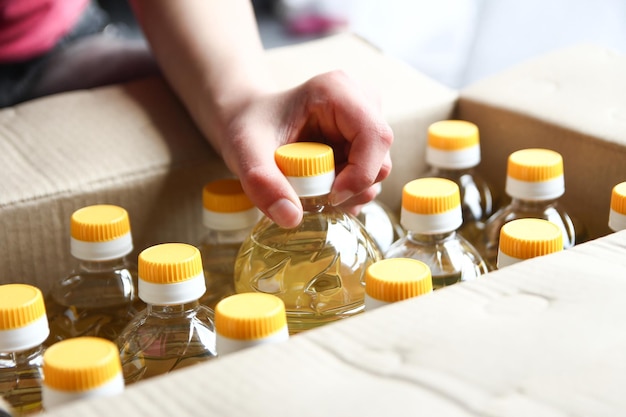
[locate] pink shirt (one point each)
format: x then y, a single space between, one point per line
31 27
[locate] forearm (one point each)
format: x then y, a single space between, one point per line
211 54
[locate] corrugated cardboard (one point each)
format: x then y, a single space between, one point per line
134 145
572 101
543 337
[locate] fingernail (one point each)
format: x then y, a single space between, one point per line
340 197
285 213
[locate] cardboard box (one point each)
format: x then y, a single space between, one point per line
540 338
135 146
571 101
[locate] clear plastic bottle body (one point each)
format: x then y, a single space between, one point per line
21 380
381 224
317 268
519 209
219 250
450 257
163 338
478 200
98 299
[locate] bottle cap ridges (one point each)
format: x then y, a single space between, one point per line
249 316
394 279
529 238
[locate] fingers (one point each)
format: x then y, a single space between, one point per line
348 116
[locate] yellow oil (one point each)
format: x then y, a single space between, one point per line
445 280
162 339
92 303
218 263
21 380
317 268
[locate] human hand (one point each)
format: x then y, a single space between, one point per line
330 108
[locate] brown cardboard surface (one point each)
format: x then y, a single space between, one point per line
134 145
571 101
544 337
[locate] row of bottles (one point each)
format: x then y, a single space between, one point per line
165 311
36 376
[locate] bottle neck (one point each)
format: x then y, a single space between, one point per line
175 310
315 204
426 239
100 266
22 357
531 205
449 172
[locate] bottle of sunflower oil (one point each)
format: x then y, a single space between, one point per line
317 268
395 279
534 183
23 330
431 215
228 216
174 330
453 152
99 296
528 238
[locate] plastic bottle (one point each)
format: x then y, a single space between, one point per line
228 215
79 368
175 330
534 182
395 279
431 214
249 319
453 152
617 212
23 329
523 239
318 267
99 297
382 225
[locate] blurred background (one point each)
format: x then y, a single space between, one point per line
455 42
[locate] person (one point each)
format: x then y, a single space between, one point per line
211 54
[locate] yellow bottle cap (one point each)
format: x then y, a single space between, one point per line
170 273
100 232
81 364
305 159
452 135
99 223
430 196
617 214
20 305
250 316
535 174
168 263
225 196
308 166
395 279
529 238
